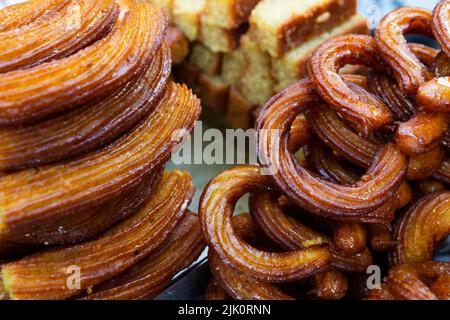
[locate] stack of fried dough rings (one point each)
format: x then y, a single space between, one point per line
88 119
351 195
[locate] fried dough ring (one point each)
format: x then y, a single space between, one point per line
422 133
293 235
349 238
91 73
361 107
43 276
388 92
380 237
332 285
35 197
89 127
427 55
441 65
312 194
446 141
326 163
443 174
415 282
76 26
75 228
150 276
408 71
430 185
425 165
339 136
379 233
239 285
21 14
216 210
419 230
434 95
418 133
441 26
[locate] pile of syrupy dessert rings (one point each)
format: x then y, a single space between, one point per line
371 190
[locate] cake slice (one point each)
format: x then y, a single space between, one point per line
257 83
232 66
291 66
239 110
213 92
219 39
280 25
206 60
228 14
187 16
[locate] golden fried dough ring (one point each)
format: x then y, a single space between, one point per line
434 95
21 14
43 276
89 127
441 287
240 286
427 55
332 285
422 133
151 275
339 136
349 238
388 92
443 174
359 106
379 233
414 281
408 71
424 165
75 27
36 197
441 25
313 194
91 73
300 133
380 237
216 210
75 228
430 185
418 133
325 162
419 230
293 235
446 141
441 66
